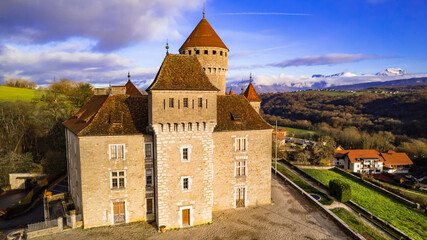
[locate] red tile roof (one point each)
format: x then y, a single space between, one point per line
181 72
131 89
394 158
231 92
234 113
355 154
251 94
203 36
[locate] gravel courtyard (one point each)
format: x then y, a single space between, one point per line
289 217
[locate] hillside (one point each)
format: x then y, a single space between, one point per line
401 114
11 94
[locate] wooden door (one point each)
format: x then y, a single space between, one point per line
119 212
240 197
185 217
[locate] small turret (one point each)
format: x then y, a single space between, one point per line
252 96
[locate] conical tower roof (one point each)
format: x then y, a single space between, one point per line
231 92
203 36
251 94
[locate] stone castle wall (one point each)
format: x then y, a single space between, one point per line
96 166
74 168
258 163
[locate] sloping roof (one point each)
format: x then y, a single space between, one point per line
110 115
203 36
358 154
231 92
394 158
234 113
251 94
132 90
181 72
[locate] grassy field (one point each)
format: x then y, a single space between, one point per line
357 225
296 131
401 216
11 94
325 200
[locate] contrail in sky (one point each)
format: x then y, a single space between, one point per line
255 13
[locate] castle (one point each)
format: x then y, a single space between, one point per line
175 154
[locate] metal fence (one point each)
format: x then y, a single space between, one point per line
42 225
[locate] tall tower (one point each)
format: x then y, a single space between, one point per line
212 53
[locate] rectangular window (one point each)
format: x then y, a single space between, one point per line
213 52
197 52
179 106
190 126
240 168
189 52
185 102
118 179
206 103
150 205
164 103
204 126
220 53
149 176
198 126
240 197
148 150
200 102
193 103
171 102
175 127
241 145
185 181
206 52
117 151
185 154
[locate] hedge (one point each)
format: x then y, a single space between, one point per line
340 190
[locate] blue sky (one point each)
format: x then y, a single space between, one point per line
280 42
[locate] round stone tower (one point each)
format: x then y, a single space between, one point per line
212 53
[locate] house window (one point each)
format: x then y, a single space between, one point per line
185 102
240 168
119 212
150 205
185 153
190 126
117 151
185 183
241 145
148 176
206 52
118 179
148 150
213 52
171 102
200 102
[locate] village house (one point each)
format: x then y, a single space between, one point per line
174 154
371 161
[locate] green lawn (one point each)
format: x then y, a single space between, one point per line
357 225
401 216
11 94
295 130
325 200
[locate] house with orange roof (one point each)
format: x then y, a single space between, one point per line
359 160
395 162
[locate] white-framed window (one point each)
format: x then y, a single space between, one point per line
185 153
117 151
149 176
240 167
186 183
241 144
118 179
150 205
148 150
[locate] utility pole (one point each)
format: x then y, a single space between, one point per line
275 165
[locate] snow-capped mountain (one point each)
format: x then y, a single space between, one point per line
392 72
341 74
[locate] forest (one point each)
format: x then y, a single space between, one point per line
365 120
31 132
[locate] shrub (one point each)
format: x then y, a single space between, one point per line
340 190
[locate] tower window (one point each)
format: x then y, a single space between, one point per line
213 52
190 126
197 52
189 52
206 103
175 127
200 102
171 102
206 52
225 54
220 53
193 103
185 102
